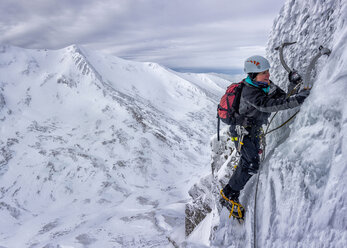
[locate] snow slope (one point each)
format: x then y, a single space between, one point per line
302 199
97 151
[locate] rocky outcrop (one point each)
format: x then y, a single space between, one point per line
2 102
205 193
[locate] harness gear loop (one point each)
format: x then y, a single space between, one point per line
241 132
262 143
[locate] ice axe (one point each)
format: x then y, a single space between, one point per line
321 51
286 67
280 48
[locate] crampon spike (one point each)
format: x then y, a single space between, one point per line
237 210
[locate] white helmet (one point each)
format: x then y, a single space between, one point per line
256 63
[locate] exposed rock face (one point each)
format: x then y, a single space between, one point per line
205 193
201 205
2 102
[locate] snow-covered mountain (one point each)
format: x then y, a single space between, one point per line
97 151
301 199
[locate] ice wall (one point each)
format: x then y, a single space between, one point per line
301 200
302 191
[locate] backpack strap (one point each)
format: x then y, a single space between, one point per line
218 124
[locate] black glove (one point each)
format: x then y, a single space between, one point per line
301 96
294 77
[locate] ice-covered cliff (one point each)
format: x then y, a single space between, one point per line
302 199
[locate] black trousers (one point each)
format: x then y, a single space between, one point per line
249 160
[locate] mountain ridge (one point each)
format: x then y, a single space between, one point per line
82 132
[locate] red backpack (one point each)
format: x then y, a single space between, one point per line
228 108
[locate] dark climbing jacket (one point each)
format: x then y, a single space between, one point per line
257 102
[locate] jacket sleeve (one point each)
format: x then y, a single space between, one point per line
291 90
277 92
269 103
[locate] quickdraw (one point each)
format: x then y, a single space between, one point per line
241 132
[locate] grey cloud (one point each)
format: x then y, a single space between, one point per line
175 33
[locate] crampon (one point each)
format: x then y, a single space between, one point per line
237 211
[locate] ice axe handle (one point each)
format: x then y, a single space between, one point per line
324 50
321 51
280 48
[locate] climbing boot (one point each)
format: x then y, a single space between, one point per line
230 200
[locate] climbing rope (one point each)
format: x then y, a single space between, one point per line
263 144
284 123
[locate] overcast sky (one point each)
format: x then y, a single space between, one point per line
191 35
